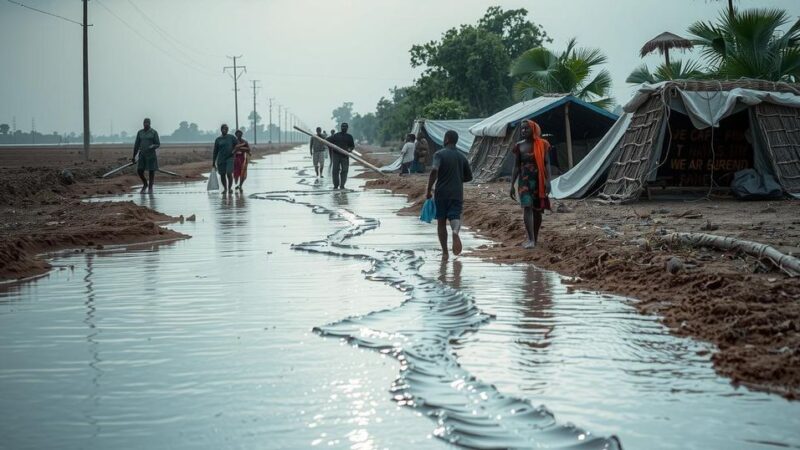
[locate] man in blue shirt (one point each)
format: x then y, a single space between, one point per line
450 170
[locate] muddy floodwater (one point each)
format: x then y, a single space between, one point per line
299 317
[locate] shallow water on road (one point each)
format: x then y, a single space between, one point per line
214 342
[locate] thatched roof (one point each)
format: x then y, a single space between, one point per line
665 41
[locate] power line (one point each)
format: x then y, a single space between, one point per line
167 36
45 12
190 64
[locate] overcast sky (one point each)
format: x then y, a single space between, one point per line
165 59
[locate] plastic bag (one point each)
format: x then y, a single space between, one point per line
428 211
213 180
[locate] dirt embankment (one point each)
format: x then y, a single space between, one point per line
749 310
41 209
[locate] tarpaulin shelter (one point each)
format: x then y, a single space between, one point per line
433 131
571 125
693 134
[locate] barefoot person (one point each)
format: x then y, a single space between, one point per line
223 158
407 152
241 155
147 142
340 164
450 170
530 169
317 149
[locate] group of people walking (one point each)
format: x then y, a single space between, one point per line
450 169
530 180
230 157
340 163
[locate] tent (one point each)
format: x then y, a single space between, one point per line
693 134
572 125
433 131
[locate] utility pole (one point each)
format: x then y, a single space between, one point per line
280 130
236 76
270 119
33 130
286 119
86 132
255 116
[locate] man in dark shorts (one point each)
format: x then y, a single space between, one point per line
147 142
450 170
340 164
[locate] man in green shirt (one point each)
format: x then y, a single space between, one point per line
147 142
223 158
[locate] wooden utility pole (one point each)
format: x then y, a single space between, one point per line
570 159
270 119
86 132
255 115
236 76
279 124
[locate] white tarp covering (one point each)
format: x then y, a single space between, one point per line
393 166
497 125
576 182
705 108
708 108
437 128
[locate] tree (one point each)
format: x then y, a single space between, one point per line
256 115
540 71
751 44
365 128
444 109
343 113
676 70
4 128
469 64
515 30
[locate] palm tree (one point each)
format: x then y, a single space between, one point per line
540 71
675 70
751 44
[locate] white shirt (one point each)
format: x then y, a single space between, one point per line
407 152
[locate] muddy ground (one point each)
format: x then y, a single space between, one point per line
749 309
41 211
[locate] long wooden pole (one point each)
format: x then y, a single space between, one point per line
570 158
341 151
86 132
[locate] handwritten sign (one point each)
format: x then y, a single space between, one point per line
692 159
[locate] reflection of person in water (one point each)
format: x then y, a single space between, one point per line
536 306
455 282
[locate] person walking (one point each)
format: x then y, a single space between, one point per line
450 170
241 156
530 168
317 149
420 154
145 146
407 153
224 147
340 164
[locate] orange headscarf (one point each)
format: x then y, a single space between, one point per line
539 148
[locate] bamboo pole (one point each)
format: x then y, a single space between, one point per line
342 151
786 263
570 158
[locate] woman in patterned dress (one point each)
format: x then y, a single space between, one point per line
530 169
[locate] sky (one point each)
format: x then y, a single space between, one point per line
164 59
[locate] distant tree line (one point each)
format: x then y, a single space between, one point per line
187 132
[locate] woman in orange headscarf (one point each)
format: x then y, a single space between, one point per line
530 169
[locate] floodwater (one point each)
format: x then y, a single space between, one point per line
297 317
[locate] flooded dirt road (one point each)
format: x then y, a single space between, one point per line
297 317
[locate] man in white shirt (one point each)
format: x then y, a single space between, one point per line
407 153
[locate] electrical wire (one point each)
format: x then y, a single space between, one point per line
167 36
45 12
189 64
